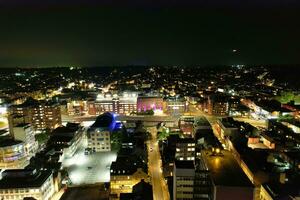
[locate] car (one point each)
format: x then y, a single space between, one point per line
89 168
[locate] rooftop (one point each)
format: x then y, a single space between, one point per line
29 181
183 164
185 140
23 125
225 170
125 165
5 142
106 120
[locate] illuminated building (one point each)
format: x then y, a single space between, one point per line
41 115
185 149
12 154
225 127
186 125
99 133
218 105
266 108
183 180
154 103
126 172
77 107
66 139
24 133
18 184
175 106
121 104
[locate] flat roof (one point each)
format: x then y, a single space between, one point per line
184 164
30 181
23 125
225 170
185 140
5 142
202 121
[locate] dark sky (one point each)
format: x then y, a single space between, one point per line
100 33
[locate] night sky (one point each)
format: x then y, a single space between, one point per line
109 33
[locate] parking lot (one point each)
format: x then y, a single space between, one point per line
89 169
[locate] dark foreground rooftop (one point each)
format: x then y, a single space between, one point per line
225 170
21 179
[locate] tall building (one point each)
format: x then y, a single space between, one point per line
24 133
41 115
123 104
185 149
183 180
66 139
27 183
218 105
99 133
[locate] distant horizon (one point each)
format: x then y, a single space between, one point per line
123 66
110 33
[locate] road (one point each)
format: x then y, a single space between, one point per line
160 188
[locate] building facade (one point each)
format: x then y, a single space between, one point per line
12 154
185 149
24 133
41 115
154 103
183 180
122 104
175 106
99 133
19 184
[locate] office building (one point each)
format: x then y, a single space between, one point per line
175 106
185 149
183 180
66 139
41 115
99 133
29 183
24 133
122 104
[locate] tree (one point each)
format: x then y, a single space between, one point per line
116 140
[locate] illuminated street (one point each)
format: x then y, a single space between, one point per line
160 188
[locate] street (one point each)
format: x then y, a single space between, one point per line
160 188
